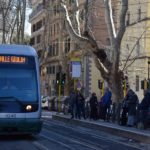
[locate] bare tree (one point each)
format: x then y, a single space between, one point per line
5 8
13 15
109 68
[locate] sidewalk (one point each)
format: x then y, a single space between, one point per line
109 127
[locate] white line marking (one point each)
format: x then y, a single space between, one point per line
39 145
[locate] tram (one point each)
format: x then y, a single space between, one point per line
20 100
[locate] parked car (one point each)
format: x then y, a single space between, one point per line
45 102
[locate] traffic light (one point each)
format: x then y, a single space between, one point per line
57 78
144 84
100 84
63 78
124 84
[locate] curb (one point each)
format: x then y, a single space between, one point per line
139 136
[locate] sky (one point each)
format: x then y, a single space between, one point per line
27 24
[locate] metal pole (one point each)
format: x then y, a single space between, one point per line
59 93
148 74
148 70
74 84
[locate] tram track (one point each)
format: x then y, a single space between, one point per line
83 137
51 137
95 134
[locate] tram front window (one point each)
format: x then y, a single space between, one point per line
19 83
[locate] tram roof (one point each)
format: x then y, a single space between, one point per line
13 49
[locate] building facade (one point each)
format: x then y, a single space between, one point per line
135 45
57 50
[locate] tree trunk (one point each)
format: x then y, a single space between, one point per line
117 96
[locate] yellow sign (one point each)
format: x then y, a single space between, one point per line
12 59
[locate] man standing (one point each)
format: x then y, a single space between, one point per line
106 100
144 108
80 105
93 107
73 104
132 102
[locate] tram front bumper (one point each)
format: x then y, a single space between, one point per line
20 126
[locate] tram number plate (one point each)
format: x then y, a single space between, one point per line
10 115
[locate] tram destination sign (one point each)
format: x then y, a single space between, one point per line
13 59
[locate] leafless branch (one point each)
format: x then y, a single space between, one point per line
125 65
109 20
122 26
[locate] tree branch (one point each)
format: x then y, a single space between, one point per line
76 7
109 20
86 42
139 21
125 65
104 72
122 26
131 62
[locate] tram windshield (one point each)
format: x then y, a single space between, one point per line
20 83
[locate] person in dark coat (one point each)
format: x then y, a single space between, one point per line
101 108
80 105
93 107
143 108
132 103
124 111
73 104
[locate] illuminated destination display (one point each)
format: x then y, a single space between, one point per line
12 59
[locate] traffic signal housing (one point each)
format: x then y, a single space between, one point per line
57 77
100 84
144 84
63 78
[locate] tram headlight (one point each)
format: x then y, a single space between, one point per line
28 108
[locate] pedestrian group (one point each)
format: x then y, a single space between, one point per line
132 113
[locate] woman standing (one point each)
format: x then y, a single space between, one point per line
93 107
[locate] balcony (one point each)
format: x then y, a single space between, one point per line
38 9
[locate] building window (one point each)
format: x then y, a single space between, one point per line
57 28
32 41
54 29
128 19
39 53
53 49
50 50
113 13
39 25
67 45
38 39
137 48
55 10
53 70
57 47
139 14
49 70
51 31
137 83
33 28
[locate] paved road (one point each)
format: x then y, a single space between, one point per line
56 135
